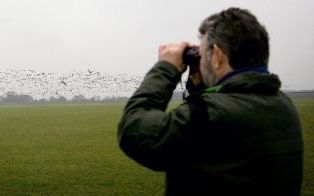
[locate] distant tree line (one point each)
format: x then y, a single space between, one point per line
13 97
301 93
16 98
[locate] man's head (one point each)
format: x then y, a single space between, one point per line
231 40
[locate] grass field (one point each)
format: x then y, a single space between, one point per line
72 150
306 110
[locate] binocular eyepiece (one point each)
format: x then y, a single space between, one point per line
191 57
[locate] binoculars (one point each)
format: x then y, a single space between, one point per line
191 57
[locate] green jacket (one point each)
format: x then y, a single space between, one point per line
240 138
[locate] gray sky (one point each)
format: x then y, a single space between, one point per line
122 36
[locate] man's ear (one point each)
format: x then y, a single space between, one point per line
220 62
219 57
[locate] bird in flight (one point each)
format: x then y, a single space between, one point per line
63 82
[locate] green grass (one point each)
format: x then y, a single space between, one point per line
72 150
68 150
306 109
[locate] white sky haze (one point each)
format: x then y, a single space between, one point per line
122 36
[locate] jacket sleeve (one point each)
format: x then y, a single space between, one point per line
147 133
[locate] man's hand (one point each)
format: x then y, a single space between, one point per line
172 53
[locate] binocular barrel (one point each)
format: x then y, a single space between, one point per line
191 57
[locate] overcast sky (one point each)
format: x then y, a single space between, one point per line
122 36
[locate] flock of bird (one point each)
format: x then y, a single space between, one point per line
88 83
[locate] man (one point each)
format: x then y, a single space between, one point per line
240 135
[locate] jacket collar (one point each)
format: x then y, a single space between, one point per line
255 80
256 68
